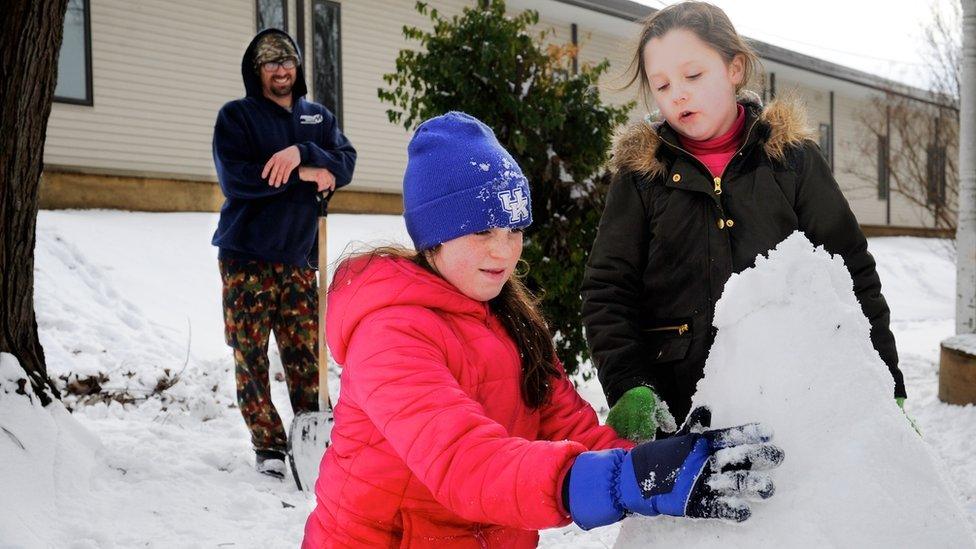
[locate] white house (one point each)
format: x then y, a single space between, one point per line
140 84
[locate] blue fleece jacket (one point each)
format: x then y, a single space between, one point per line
257 221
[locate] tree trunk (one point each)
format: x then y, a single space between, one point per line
30 40
966 229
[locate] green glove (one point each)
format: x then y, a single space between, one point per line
639 414
901 404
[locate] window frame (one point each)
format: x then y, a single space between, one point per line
884 169
338 111
825 139
936 174
284 15
89 100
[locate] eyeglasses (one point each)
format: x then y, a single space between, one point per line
287 63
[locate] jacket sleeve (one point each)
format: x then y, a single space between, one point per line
611 290
826 218
335 152
235 160
396 372
566 416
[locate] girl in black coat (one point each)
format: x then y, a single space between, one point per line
697 196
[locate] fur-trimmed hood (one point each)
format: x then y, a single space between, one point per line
636 147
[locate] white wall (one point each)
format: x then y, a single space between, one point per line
162 69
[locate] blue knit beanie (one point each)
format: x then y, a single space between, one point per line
460 180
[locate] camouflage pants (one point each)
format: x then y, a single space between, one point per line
260 297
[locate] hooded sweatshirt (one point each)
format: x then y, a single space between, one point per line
433 444
258 221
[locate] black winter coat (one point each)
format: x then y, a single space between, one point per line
671 236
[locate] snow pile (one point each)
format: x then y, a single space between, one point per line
174 476
157 478
100 346
793 351
46 459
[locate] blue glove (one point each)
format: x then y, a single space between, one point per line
696 473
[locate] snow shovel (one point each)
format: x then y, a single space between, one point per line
310 431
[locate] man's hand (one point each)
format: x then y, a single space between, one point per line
279 166
322 177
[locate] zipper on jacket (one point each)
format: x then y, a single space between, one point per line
680 328
745 141
717 180
718 189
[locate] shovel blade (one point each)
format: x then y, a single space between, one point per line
307 441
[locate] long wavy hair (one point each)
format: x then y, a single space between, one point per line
518 311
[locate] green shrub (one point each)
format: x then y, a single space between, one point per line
550 118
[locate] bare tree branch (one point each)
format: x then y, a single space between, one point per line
923 139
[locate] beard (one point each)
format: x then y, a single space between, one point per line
281 90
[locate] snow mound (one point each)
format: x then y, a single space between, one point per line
793 351
46 459
100 346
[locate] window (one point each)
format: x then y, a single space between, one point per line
272 14
826 143
74 60
936 174
884 175
574 35
327 56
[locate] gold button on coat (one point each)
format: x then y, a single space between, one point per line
721 223
676 177
729 222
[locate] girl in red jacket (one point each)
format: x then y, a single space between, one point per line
456 426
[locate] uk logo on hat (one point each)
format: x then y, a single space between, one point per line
460 180
516 204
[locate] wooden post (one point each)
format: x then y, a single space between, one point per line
957 376
957 371
324 399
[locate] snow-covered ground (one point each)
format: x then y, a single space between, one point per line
135 298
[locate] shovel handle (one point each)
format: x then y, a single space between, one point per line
324 199
324 399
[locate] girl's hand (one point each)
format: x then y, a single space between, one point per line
710 474
639 414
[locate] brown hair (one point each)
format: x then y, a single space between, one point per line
709 23
518 311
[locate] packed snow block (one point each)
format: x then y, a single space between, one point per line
47 461
793 351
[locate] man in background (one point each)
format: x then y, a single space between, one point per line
274 152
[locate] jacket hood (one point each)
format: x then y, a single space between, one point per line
365 284
636 147
252 81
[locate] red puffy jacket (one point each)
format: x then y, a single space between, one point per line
433 444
